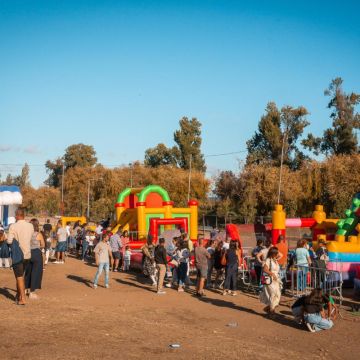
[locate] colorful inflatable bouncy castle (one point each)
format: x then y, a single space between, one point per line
149 210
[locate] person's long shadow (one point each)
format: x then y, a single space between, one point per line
80 279
6 293
277 318
143 286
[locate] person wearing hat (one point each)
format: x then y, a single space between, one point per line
4 250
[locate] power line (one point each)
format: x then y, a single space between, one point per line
112 165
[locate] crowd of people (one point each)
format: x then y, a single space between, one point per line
217 263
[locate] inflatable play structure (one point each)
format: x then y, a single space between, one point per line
10 199
149 210
342 236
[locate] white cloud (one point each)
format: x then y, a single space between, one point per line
31 149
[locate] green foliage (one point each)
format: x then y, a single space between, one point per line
341 138
188 148
188 140
253 191
77 155
161 155
277 128
22 180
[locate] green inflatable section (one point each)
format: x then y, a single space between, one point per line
144 193
347 226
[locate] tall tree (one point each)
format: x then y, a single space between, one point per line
188 148
161 155
24 178
278 129
77 155
188 139
341 138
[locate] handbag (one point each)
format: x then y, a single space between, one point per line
16 254
266 279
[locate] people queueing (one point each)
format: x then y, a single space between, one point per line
314 310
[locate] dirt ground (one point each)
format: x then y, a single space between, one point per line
130 321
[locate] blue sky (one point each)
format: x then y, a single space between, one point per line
120 74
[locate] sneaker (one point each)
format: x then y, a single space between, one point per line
33 296
94 286
62 262
310 327
234 293
224 293
168 285
115 270
161 292
56 262
180 289
154 284
107 286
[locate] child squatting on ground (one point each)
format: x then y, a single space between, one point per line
103 257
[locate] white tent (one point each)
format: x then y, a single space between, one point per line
10 199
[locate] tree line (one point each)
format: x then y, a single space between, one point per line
316 169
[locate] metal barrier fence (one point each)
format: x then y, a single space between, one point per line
303 279
297 280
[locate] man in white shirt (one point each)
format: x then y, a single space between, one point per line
22 231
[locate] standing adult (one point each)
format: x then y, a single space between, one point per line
257 262
47 227
84 243
22 231
303 261
201 264
161 262
148 261
61 235
116 246
232 264
182 256
283 248
211 250
271 292
34 272
103 256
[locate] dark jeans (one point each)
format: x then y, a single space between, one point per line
258 272
231 277
34 272
182 272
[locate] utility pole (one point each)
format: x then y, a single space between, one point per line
88 198
131 175
281 164
62 189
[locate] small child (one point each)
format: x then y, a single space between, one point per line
127 258
103 256
4 250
